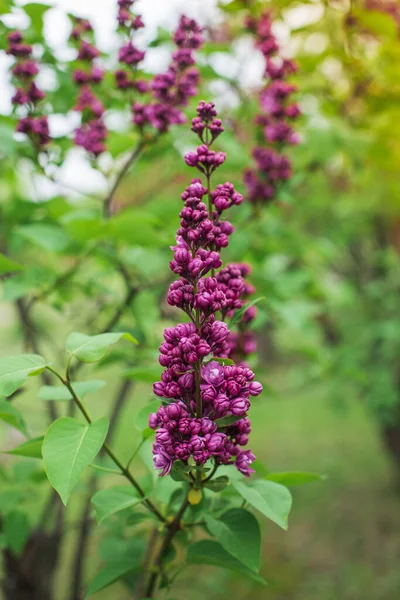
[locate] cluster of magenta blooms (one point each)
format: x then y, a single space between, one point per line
92 132
277 114
162 98
27 93
198 391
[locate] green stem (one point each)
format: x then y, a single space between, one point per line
125 168
172 530
124 471
104 469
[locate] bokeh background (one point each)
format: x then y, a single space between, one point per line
325 256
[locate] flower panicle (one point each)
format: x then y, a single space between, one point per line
27 94
92 133
276 117
172 90
198 391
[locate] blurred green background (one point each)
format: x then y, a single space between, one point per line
325 256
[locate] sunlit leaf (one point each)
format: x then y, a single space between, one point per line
14 370
93 348
68 448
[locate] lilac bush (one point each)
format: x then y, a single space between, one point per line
199 426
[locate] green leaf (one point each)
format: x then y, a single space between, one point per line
31 449
238 314
293 478
60 393
271 499
238 532
5 6
93 348
68 448
209 552
136 226
226 421
9 414
8 266
112 500
35 12
218 484
108 575
142 418
222 361
234 6
49 237
378 22
148 374
15 369
180 471
16 530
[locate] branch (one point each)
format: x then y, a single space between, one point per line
30 341
127 165
172 530
126 472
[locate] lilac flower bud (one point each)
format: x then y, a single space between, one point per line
255 388
26 69
20 97
191 158
154 421
239 406
163 436
213 373
215 442
162 460
87 51
130 55
34 94
208 426
15 37
186 381
183 450
174 411
221 404
243 462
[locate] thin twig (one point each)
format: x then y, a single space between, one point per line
127 165
78 568
172 530
127 474
31 342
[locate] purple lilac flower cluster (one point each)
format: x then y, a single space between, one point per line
242 342
27 93
92 132
129 55
172 90
275 119
198 391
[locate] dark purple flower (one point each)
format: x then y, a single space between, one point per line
162 460
243 461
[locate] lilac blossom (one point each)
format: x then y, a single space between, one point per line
272 166
196 389
171 91
27 94
92 133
